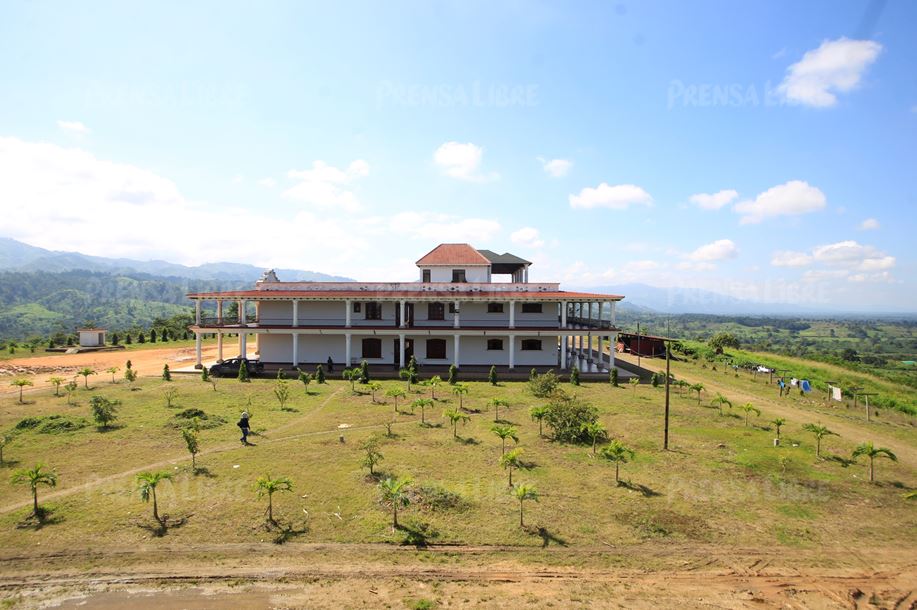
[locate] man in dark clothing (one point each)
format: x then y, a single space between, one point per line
330 365
243 425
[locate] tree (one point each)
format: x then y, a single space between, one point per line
433 381
140 337
86 372
539 413
618 453
351 375
5 439
395 394
460 390
412 367
170 394
595 431
505 432
749 409
374 386
778 422
566 416
104 411
131 376
697 387
496 403
574 375
634 382
33 477
873 452
166 373
205 375
115 338
305 379
152 335
542 386
319 374
721 341
282 392
21 382
395 495
613 376
56 382
408 377
423 403
192 442
820 432
243 372
524 492
492 375
364 372
719 401
147 482
266 486
455 416
70 388
371 454
510 460
453 374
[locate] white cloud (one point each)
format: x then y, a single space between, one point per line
268 183
73 127
323 185
527 237
788 258
617 197
843 259
719 250
556 168
462 161
714 201
869 224
836 66
792 198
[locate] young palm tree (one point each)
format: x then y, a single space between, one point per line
146 485
778 423
697 387
455 416
374 386
539 413
56 382
634 382
423 403
353 376
524 492
460 390
86 372
395 494
720 401
819 431
21 382
433 381
505 432
395 394
70 388
595 431
873 452
511 459
617 452
113 370
131 376
266 486
193 444
749 409
407 376
34 477
496 403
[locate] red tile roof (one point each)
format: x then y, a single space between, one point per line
453 254
415 295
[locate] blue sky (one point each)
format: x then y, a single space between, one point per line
738 147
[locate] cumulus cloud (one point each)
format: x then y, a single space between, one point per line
789 199
462 161
527 237
719 250
617 197
789 258
870 224
836 66
714 201
849 259
325 186
73 127
556 168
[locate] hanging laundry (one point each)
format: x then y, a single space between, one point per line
836 394
793 382
805 385
781 383
763 369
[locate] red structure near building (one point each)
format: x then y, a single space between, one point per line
647 346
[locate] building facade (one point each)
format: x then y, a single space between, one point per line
453 314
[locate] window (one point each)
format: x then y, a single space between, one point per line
374 311
452 308
458 276
495 308
436 311
372 348
436 349
426 275
494 345
357 307
531 308
531 345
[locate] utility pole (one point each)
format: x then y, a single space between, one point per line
665 438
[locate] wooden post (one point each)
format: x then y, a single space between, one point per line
665 440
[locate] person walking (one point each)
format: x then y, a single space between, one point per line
244 426
330 365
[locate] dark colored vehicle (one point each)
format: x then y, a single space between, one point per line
230 368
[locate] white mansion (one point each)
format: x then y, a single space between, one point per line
453 314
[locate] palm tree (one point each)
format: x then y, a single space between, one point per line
113 370
460 390
353 376
455 416
407 376
505 432
872 452
433 381
749 409
70 388
146 485
496 403
511 459
394 494
697 387
819 431
423 403
617 452
395 393
86 372
634 382
524 492
719 401
778 422
34 477
21 382
56 382
374 386
266 486
539 413
594 430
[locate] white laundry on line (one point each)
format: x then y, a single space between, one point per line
836 394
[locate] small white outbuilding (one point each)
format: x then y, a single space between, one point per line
92 337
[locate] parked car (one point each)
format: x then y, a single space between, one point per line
230 368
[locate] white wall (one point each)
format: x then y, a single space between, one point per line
91 339
444 274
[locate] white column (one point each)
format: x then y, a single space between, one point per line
525 274
589 346
612 345
401 305
257 314
456 340
295 312
197 347
599 358
242 305
347 350
589 317
401 343
455 319
197 312
347 309
220 311
563 352
295 349
219 346
613 318
512 352
243 348
563 315
512 314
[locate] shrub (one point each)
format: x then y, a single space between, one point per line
613 376
544 385
196 419
243 372
453 374
567 415
492 375
574 375
104 411
364 373
319 374
166 373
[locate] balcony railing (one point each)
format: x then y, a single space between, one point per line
464 322
591 322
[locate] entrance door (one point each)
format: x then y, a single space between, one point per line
408 351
